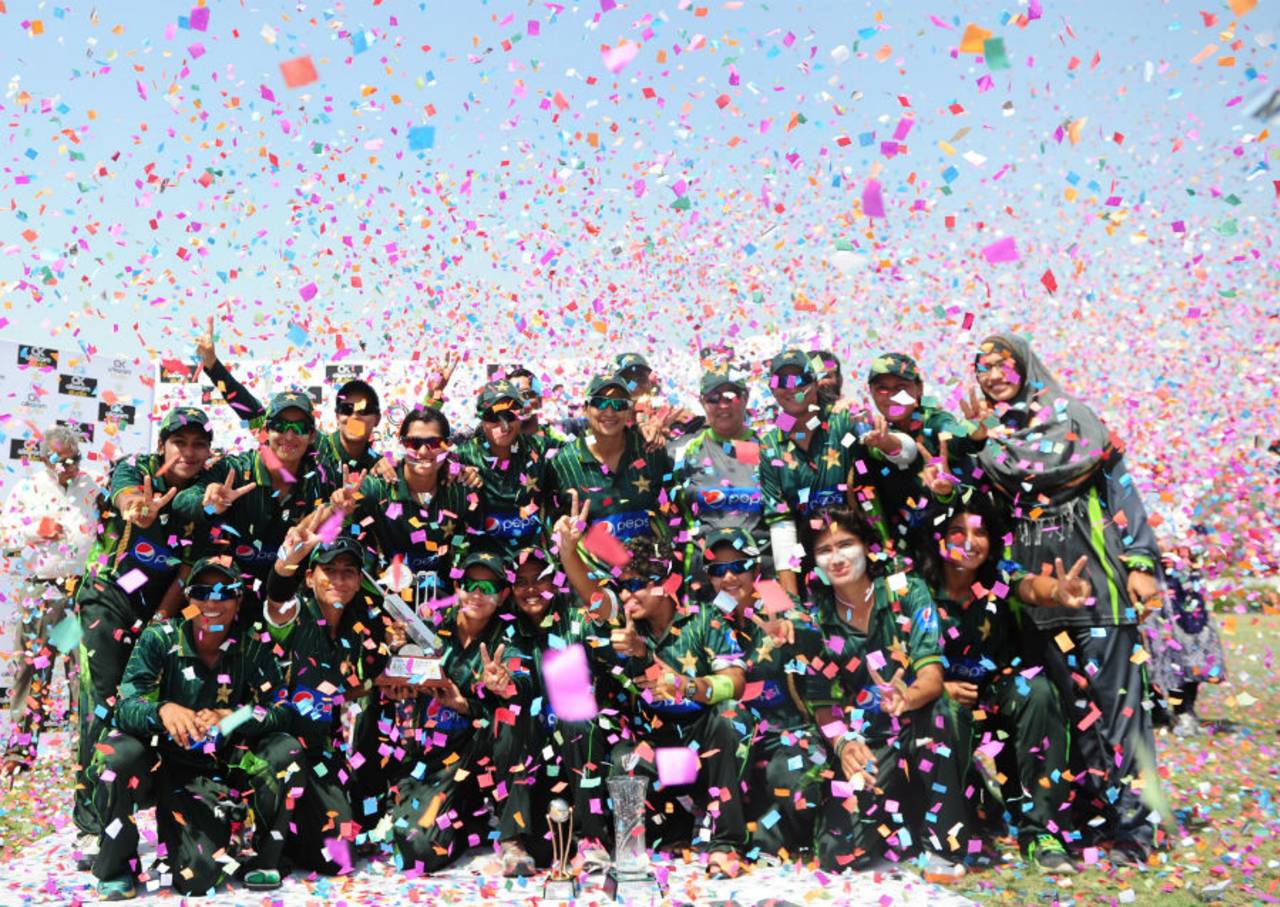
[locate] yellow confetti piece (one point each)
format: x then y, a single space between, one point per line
1064 642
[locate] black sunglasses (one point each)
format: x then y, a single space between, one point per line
428 443
636 583
349 409
717 398
493 417
221 592
720 569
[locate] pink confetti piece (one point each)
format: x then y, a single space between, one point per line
132 581
1001 250
677 765
567 677
872 201
617 58
602 543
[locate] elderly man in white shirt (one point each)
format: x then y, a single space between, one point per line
49 522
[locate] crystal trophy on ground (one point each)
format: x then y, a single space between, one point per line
560 885
630 878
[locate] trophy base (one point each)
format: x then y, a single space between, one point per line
560 890
631 887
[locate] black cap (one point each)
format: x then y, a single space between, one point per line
601 383
624 361
715 379
488 559
181 417
792 358
736 536
331 551
221 564
290 400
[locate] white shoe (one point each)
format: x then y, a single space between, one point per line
86 850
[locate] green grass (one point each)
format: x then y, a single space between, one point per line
1224 788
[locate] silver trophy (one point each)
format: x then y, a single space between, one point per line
630 878
560 885
418 661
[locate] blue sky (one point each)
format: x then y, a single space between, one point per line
516 230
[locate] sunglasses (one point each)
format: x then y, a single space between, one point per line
719 569
221 592
428 443
480 586
493 416
637 583
717 399
349 409
297 426
617 404
793 381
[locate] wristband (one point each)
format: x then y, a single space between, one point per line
719 689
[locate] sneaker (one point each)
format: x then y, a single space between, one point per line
1050 856
262 879
592 857
940 871
516 860
118 889
86 850
1186 725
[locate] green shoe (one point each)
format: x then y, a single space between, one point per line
1047 853
262 879
117 889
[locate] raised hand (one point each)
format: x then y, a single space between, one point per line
664 683
470 477
494 674
893 693
572 526
205 348
936 476
880 437
1072 590
298 544
438 380
219 496
778 632
977 409
347 498
141 509
626 640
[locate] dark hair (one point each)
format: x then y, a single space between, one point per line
520 371
428 414
856 523
648 552
930 535
825 357
357 386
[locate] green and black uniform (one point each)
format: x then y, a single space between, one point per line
902 632
835 469
425 533
518 491
329 678
252 529
197 789
699 642
453 763
559 758
903 496
632 498
1017 718
330 454
781 748
127 574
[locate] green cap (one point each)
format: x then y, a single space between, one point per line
500 395
290 400
792 358
221 564
487 559
900 365
736 536
718 378
601 383
624 361
329 552
180 417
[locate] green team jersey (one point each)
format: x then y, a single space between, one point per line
518 491
253 528
980 636
796 482
423 532
165 667
902 632
438 730
155 553
774 679
528 643
629 499
327 675
699 641
330 453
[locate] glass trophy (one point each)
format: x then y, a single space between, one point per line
630 878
